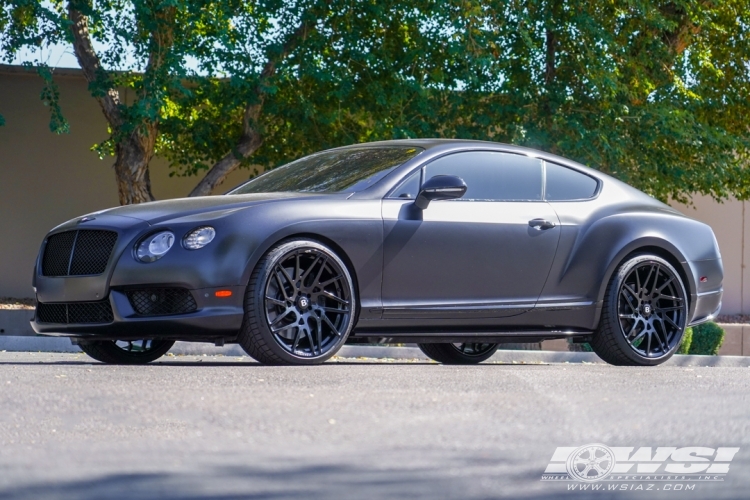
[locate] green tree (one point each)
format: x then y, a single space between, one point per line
653 92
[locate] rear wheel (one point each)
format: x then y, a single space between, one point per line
459 354
644 313
126 352
300 305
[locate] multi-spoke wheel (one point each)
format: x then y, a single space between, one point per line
300 305
126 352
459 354
644 314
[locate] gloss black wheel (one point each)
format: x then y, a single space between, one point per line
459 354
300 305
126 352
644 314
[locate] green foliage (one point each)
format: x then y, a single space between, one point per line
707 339
685 343
579 346
51 98
654 92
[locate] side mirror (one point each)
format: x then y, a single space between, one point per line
440 187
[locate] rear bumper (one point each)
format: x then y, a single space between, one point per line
215 318
707 306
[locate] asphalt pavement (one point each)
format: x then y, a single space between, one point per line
221 427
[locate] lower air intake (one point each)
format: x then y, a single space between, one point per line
162 301
75 312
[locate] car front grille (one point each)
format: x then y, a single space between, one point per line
75 312
162 301
84 252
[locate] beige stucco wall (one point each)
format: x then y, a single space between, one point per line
46 179
732 229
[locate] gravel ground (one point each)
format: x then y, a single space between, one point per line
12 303
227 428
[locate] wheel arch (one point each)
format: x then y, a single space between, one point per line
660 248
277 240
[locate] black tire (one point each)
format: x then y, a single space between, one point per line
298 315
108 351
640 324
459 354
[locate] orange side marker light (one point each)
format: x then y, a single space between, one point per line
223 293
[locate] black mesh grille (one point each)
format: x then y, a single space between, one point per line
162 301
92 252
75 312
91 249
52 313
57 254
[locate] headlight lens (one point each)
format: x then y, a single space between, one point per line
155 246
199 237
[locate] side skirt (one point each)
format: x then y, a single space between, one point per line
493 337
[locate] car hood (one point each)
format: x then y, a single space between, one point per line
159 211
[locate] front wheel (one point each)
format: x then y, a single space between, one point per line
644 313
126 352
459 354
300 305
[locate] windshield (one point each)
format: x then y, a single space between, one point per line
337 171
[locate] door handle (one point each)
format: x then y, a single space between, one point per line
541 224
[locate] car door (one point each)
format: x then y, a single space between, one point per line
487 254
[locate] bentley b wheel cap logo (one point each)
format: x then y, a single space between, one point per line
303 302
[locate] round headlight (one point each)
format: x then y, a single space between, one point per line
199 238
155 246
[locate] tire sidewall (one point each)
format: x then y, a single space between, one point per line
448 354
107 351
255 305
613 315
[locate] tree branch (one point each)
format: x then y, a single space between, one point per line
251 139
109 99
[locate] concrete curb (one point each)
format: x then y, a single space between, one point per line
53 344
16 322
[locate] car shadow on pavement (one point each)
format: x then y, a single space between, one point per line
199 363
308 482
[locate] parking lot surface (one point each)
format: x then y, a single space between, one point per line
216 427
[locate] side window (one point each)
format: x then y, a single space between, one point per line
409 188
565 184
491 176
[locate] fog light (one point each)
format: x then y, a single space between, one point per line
199 238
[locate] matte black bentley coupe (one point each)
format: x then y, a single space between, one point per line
458 246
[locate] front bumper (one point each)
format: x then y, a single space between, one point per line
214 319
202 273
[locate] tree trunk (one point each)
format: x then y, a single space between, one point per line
227 164
132 157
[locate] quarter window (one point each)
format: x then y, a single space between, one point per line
492 176
565 184
408 189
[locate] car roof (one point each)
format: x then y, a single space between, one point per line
446 145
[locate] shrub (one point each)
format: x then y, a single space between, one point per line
687 340
707 339
576 347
